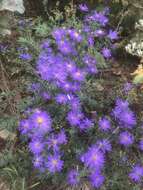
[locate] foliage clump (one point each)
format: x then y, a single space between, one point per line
64 140
72 131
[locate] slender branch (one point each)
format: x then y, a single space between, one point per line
121 18
6 86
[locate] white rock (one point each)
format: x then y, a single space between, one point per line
12 5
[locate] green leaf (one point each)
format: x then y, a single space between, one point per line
4 21
4 25
42 30
138 79
100 60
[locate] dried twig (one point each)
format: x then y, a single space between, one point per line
6 87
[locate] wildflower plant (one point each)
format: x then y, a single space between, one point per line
63 138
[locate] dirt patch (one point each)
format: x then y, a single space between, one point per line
4 185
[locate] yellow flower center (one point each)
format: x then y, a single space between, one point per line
78 73
37 145
65 48
61 41
76 34
66 85
40 120
54 142
69 66
125 138
94 157
25 126
54 162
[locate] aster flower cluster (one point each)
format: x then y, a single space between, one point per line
101 19
44 145
126 120
124 115
94 160
64 63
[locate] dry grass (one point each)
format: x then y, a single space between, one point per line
83 186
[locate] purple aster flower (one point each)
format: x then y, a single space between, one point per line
74 118
99 33
78 75
90 41
128 119
104 124
93 158
89 60
36 146
71 97
103 20
25 56
75 104
92 69
66 86
104 145
59 33
21 24
46 96
106 10
75 87
126 139
113 35
75 35
96 179
44 70
70 66
121 107
127 87
85 124
83 7
41 121
136 173
66 47
117 112
141 144
54 163
123 104
106 53
28 111
34 87
25 126
57 139
3 48
61 137
100 18
45 44
58 73
86 29
38 161
61 98
73 177
53 142
123 113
